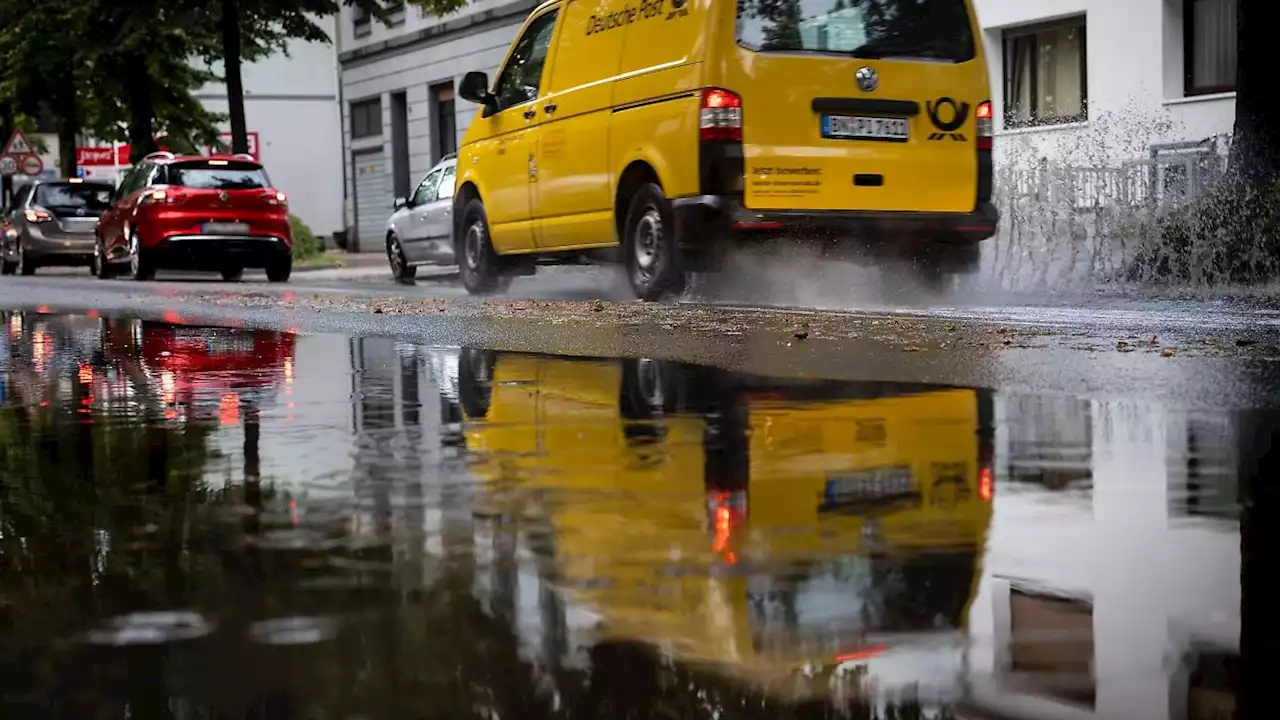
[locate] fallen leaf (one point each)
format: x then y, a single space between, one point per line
1168 352
1152 340
911 348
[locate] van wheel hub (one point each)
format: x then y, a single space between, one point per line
648 243
473 245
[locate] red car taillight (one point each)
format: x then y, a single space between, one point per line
986 132
37 215
720 116
162 197
274 197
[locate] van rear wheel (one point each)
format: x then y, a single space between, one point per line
652 253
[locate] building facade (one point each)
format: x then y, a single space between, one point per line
1095 79
400 115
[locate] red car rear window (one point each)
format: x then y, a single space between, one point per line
217 175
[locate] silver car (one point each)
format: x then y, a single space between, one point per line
421 230
52 222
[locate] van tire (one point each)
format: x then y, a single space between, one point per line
479 265
651 250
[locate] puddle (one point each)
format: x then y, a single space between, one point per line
355 527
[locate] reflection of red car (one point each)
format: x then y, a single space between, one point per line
202 366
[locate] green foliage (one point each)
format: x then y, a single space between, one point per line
305 243
1231 235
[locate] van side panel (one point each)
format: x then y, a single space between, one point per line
655 97
572 195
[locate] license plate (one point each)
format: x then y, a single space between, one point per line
864 485
226 228
849 127
226 346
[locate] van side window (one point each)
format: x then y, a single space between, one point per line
518 83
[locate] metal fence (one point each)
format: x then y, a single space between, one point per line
1065 225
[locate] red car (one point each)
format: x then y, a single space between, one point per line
217 213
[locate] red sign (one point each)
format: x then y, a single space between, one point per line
225 138
102 156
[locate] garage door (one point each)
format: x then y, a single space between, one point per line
373 199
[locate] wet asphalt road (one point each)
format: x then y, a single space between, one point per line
1185 353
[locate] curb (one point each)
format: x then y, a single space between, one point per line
313 268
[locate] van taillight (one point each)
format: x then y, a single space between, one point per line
986 133
720 116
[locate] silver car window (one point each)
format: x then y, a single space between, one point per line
446 185
426 192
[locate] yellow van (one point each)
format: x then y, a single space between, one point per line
755 525
670 129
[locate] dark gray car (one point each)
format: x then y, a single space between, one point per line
52 222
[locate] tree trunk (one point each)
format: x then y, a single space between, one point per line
1255 145
142 109
68 129
231 47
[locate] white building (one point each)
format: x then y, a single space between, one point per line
291 106
1095 78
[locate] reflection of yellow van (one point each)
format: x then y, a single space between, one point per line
667 126
773 528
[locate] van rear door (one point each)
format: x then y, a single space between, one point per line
859 104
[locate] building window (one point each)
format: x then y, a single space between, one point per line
1045 75
1209 45
446 120
366 118
361 22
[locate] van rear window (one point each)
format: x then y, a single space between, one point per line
217 175
929 29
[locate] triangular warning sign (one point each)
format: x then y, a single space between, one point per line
17 144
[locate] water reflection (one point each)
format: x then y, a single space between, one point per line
216 522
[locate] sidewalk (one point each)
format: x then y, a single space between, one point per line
361 265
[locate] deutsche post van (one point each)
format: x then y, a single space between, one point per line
670 129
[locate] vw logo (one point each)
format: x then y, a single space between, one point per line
867 79
79 212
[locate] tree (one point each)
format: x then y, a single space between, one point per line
45 69
144 68
1255 145
107 66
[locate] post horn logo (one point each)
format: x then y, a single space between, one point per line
958 114
867 79
677 4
